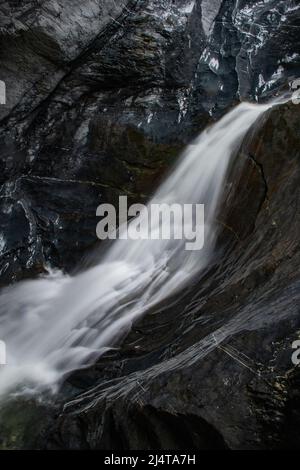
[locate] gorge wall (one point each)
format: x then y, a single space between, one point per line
101 98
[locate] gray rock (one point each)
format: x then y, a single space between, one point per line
101 97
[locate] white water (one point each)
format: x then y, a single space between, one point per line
60 323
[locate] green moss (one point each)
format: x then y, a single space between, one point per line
21 424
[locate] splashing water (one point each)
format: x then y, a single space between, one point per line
60 323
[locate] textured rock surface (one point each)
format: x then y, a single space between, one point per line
218 372
101 97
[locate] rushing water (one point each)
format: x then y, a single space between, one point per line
59 323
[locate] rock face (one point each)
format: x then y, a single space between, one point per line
101 97
218 372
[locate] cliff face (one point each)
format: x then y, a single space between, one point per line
101 97
218 371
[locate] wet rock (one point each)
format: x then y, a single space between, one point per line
109 92
219 365
100 100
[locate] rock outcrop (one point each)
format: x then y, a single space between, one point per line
101 97
218 371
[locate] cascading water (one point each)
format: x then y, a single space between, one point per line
60 323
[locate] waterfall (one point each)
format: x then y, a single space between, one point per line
60 323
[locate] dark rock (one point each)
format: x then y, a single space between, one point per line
219 365
101 97
109 92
